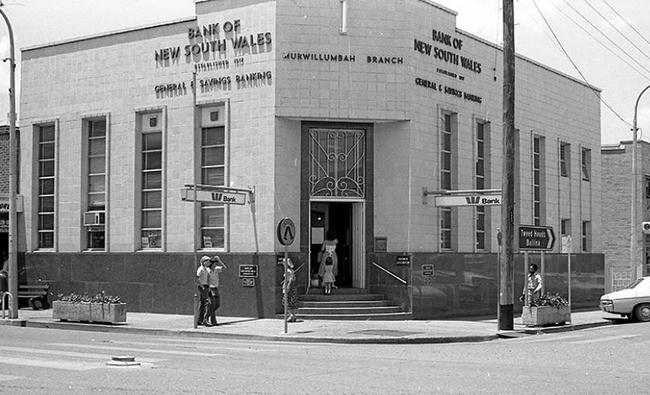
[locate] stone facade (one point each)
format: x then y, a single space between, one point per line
281 72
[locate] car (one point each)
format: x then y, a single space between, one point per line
632 302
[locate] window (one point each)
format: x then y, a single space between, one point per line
565 227
151 151
46 185
446 152
586 236
213 173
586 164
480 178
94 218
538 166
565 159
445 228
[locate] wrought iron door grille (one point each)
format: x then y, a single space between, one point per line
337 162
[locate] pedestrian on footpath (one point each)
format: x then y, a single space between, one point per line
328 275
289 287
216 266
202 279
533 288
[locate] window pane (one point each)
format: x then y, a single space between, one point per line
97 128
46 204
446 142
46 186
96 239
480 183
96 201
479 167
151 141
212 217
480 222
212 136
480 241
152 180
536 161
447 122
97 165
151 219
446 161
46 221
46 240
212 238
151 199
46 151
46 133
212 176
213 156
445 180
151 239
97 147
445 239
480 150
96 183
151 160
46 168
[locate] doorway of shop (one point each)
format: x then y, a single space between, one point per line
337 218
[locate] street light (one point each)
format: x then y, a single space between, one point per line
635 229
13 242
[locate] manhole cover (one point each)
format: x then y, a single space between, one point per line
385 332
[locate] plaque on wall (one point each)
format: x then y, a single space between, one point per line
403 260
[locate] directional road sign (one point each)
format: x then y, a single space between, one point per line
536 237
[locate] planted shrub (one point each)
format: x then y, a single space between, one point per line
98 298
551 300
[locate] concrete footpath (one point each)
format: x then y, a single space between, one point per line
371 332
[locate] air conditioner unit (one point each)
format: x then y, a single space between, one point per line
94 218
151 122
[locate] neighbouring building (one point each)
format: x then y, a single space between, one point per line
4 188
339 115
620 269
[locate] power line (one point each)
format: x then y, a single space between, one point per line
575 66
626 22
561 11
606 36
617 29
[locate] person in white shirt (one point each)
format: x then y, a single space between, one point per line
216 266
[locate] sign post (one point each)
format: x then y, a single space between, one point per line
286 235
567 246
535 238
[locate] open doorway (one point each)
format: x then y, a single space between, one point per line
338 218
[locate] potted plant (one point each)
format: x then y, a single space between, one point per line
549 309
99 308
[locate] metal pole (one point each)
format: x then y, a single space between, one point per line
285 288
13 172
569 272
635 230
506 265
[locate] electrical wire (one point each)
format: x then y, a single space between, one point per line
617 29
625 20
606 36
566 15
575 66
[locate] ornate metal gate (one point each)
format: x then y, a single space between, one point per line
337 163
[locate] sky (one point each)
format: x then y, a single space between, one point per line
603 42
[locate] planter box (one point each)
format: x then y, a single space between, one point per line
544 315
89 312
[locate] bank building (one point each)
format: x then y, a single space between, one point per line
144 149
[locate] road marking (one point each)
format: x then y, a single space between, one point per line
6 377
134 350
51 363
604 339
68 353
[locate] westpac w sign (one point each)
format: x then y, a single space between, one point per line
467 200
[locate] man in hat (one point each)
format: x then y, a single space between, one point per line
215 267
203 278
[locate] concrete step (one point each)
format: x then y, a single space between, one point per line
346 303
339 297
347 310
362 317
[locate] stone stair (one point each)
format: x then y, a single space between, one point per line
348 304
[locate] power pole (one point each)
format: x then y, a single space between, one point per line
506 259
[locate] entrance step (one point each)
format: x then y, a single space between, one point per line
348 304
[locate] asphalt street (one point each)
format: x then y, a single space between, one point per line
602 360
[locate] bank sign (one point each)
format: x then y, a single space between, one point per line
468 200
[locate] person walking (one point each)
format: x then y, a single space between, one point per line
289 288
216 266
533 287
328 250
328 275
202 279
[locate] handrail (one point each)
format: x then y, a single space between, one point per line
2 304
391 273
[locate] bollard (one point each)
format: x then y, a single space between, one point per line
7 295
196 309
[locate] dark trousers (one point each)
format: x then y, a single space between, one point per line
215 302
204 306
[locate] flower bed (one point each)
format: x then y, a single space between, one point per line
549 309
82 308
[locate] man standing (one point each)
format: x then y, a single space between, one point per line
216 266
202 278
533 287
